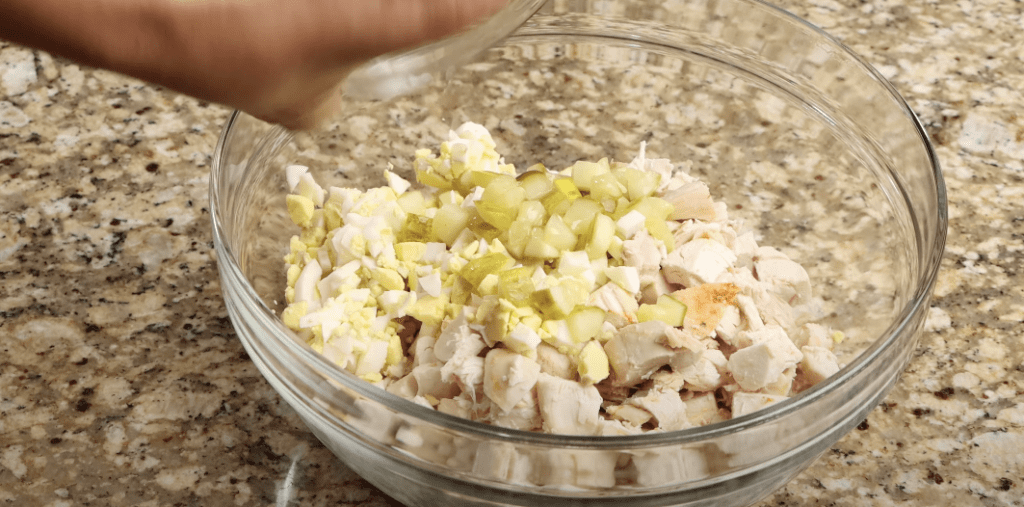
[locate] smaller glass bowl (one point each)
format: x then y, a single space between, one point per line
392 75
808 145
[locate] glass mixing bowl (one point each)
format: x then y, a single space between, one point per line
807 144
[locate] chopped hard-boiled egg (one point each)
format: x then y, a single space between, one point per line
519 298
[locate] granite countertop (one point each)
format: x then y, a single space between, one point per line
122 383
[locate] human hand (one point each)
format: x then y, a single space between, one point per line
279 60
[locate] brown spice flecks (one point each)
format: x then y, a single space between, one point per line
705 305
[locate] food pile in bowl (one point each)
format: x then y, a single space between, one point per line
719 269
603 299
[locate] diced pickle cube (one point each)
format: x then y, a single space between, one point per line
462 291
449 221
567 188
556 203
640 184
516 285
585 322
432 179
538 247
481 228
417 228
580 215
518 237
583 172
533 213
536 184
654 208
493 263
558 301
592 363
500 201
668 310
658 229
475 179
602 232
559 235
606 186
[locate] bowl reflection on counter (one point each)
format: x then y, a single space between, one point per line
807 144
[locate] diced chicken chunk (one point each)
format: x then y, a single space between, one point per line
702 410
699 372
620 306
783 276
636 351
706 305
508 377
760 364
555 363
629 414
699 261
568 407
458 339
645 254
747 403
666 407
429 382
818 364
691 200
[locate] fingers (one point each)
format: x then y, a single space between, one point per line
382 26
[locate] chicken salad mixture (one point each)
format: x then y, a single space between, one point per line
605 298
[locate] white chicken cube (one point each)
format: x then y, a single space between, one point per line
783 277
818 363
458 339
645 254
429 382
698 371
568 407
508 377
666 406
697 262
619 305
747 403
636 351
630 224
763 362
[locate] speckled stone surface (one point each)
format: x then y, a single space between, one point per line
121 381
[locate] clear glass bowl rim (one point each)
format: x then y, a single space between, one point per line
931 256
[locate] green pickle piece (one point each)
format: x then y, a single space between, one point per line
416 229
481 228
477 269
500 201
516 285
536 184
667 309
